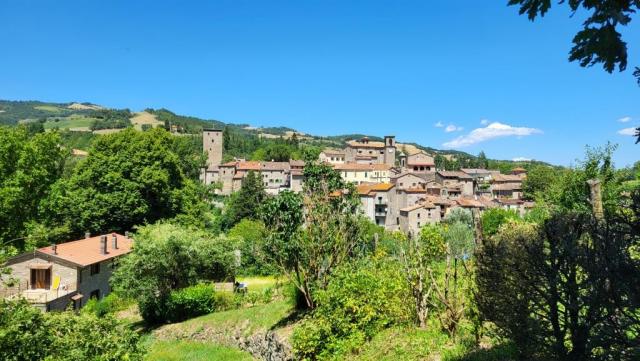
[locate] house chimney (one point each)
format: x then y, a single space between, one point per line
87 235
54 248
114 241
103 244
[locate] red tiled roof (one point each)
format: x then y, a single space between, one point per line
370 189
454 174
86 251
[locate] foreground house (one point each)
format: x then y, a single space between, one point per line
54 277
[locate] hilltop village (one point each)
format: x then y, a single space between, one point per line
397 190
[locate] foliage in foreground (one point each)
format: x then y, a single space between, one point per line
361 299
566 288
28 334
166 258
308 246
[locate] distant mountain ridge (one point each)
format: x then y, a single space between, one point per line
14 112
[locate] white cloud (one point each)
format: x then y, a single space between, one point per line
491 131
439 125
624 119
627 131
452 128
521 159
484 121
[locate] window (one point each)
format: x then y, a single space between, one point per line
40 278
95 294
95 269
365 174
418 215
418 224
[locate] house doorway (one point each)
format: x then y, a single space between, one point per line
41 278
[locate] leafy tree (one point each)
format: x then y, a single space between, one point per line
29 165
459 215
253 234
454 290
167 258
481 161
599 41
246 202
539 179
361 299
566 289
307 246
419 257
29 334
129 178
493 218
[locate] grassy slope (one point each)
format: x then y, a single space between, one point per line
167 342
73 121
193 351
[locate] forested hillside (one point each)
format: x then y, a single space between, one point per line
79 124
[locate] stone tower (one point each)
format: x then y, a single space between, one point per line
212 142
390 150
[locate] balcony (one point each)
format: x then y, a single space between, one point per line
37 295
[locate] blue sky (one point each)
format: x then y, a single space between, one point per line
331 67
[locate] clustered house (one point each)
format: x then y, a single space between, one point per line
399 187
67 274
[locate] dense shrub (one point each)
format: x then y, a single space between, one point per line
167 258
28 334
108 305
360 300
191 302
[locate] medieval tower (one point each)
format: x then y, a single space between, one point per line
390 150
212 142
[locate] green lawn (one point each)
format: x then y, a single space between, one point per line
73 121
250 319
193 351
258 283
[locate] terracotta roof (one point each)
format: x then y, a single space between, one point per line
415 190
297 172
361 167
229 164
418 206
475 171
275 166
454 174
296 163
248 165
507 178
438 200
518 169
370 189
402 175
86 251
507 187
469 203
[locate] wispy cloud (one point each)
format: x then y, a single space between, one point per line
624 119
491 131
484 121
627 131
438 125
521 159
452 128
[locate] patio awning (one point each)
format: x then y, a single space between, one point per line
77 296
